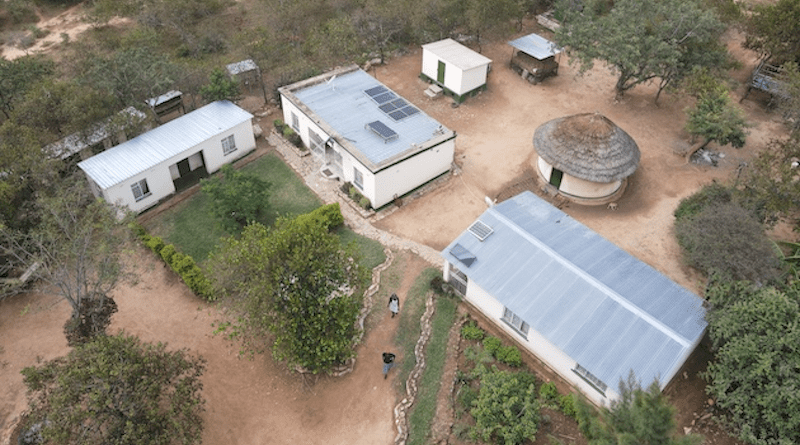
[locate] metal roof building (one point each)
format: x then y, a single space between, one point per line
456 68
587 308
536 46
162 143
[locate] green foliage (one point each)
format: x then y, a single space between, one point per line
788 103
118 390
506 410
237 198
756 367
220 87
715 118
328 216
181 264
471 331
297 282
18 76
643 41
167 252
568 404
510 355
711 194
548 393
726 239
772 30
492 344
639 416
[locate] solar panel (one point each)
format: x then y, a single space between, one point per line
480 230
397 115
388 107
410 110
374 91
399 102
382 130
463 255
384 97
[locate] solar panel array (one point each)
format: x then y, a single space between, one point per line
388 102
480 230
382 130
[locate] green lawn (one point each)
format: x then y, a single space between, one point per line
191 227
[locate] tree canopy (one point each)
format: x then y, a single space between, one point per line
640 416
118 390
772 30
756 368
237 198
220 86
296 282
715 118
642 41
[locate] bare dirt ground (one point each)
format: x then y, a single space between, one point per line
257 401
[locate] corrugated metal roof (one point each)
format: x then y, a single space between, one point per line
156 146
96 134
535 46
341 102
459 55
241 67
607 310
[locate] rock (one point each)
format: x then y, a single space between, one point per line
687 430
710 402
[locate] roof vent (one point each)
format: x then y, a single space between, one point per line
480 230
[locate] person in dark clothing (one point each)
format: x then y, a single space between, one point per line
394 304
388 363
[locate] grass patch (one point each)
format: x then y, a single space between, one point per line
408 329
192 228
372 253
424 409
391 280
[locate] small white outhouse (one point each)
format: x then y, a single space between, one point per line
456 68
141 172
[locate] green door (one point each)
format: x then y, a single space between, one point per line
555 177
440 73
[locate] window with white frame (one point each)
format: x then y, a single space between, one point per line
590 378
515 322
140 190
316 142
295 122
228 145
358 178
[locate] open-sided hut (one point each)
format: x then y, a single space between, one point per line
534 57
585 157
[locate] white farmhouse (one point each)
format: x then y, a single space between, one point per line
585 307
366 134
146 169
456 68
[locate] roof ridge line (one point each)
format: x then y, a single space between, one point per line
624 302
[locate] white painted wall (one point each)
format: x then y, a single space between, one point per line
581 188
537 344
401 178
455 79
159 178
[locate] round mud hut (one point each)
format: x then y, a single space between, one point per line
585 157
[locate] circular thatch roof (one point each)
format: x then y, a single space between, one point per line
587 146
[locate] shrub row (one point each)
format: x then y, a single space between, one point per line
182 264
330 216
355 195
289 134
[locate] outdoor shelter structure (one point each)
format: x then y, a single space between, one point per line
366 134
456 68
141 172
534 57
586 308
585 157
99 136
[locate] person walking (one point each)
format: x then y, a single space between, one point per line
388 363
394 304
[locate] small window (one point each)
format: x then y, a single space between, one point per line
295 122
228 145
358 178
515 322
590 378
140 190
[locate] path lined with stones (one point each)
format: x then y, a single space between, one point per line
308 168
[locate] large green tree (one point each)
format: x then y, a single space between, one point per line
772 30
237 198
118 390
640 416
297 282
506 410
18 75
770 181
715 118
756 368
77 247
641 40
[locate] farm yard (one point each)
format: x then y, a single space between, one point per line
257 401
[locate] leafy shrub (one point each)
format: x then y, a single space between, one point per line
155 244
506 410
568 405
548 393
492 344
279 125
714 193
364 202
328 216
467 396
727 239
509 355
167 252
471 331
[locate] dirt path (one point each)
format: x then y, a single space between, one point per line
248 401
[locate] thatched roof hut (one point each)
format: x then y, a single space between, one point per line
592 153
588 146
